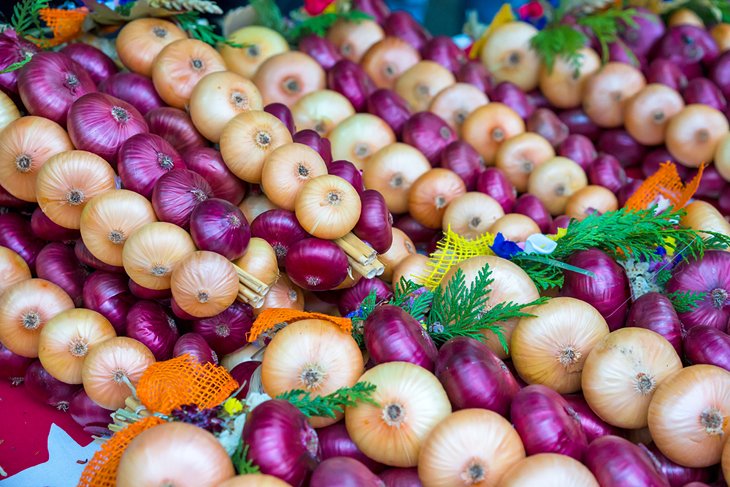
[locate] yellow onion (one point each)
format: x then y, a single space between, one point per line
312 355
471 214
422 82
515 227
204 284
353 39
13 269
8 111
701 215
321 111
283 294
548 470
392 171
151 253
286 170
401 248
551 347
726 460
607 90
648 112
564 85
388 59
554 181
456 102
519 156
508 56
413 268
288 76
141 40
487 127
260 261
685 16
590 199
469 447
721 34
255 204
67 339
109 219
328 207
410 403
254 480
722 157
431 193
258 44
694 133
358 137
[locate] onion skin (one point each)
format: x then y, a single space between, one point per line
334 441
578 122
88 259
720 74
93 418
666 72
347 171
344 471
628 190
677 475
580 149
392 335
57 263
43 387
177 193
243 373
645 35
143 159
428 133
687 46
461 158
655 312
494 183
13 366
606 171
402 24
443 50
401 477
176 127
617 462
705 92
208 163
621 145
351 299
707 345
544 122
226 332
13 49
149 323
530 205
391 107
312 139
320 49
316 265
593 426
281 229
282 112
350 80
108 294
512 96
376 223
474 72
196 346
15 234
44 228
135 89
98 65
219 226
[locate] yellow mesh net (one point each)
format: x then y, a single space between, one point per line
66 25
665 183
270 318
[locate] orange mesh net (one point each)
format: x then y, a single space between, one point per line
65 24
269 318
101 471
664 183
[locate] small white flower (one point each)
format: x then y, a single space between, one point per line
538 243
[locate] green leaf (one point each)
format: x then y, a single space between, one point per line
331 404
605 26
559 41
686 301
26 15
242 463
191 23
269 15
17 65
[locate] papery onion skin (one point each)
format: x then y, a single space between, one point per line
87 258
677 475
315 141
461 158
219 226
617 462
204 283
321 49
316 265
344 471
15 49
194 344
428 133
494 183
13 268
578 122
392 335
15 234
133 88
177 193
44 228
58 264
512 96
209 163
140 41
351 81
376 222
280 228
401 477
544 122
347 171
329 207
93 418
654 311
580 149
227 331
593 426
44 388
548 470
175 126
391 107
530 205
108 294
282 112
98 65
605 170
351 299
151 324
13 366
707 345
334 441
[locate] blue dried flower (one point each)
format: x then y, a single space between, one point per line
504 248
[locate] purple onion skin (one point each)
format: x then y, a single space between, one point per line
720 73
645 35
654 311
543 420
666 72
712 184
627 191
16 234
392 335
464 160
9 201
334 441
593 426
473 377
543 121
401 477
351 81
617 462
420 235
177 193
175 126
441 49
688 46
226 332
44 228
344 471
312 139
474 72
402 24
219 226
133 88
620 144
242 373
282 112
579 123
88 259
607 171
619 52
319 48
711 275
282 443
707 345
108 294
509 94
13 366
494 183
99 66
196 346
143 159
179 312
351 298
377 9
347 171
677 475
580 149
280 228
561 221
608 291
208 162
149 322
391 107
12 50
376 223
92 418
655 158
43 387
428 133
57 263
528 204
537 99
316 265
705 92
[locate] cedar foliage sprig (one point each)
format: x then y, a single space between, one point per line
320 24
26 16
686 301
190 23
331 404
203 6
242 463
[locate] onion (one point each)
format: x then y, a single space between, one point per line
493 182
507 54
219 226
351 299
607 171
579 149
175 126
607 91
286 77
721 34
415 231
544 122
16 235
14 49
694 133
140 41
517 157
543 420
664 71
454 103
431 193
280 228
283 294
328 207
108 295
554 181
489 126
422 82
375 223
335 442
13 366
621 145
259 44
461 158
654 159
254 480
707 345
401 248
512 96
402 24
43 387
316 265
226 332
444 51
531 206
563 86
58 264
350 80
719 71
321 111
703 216
194 344
593 426
98 65
429 134
204 284
176 195
344 471
360 136
472 214
386 60
474 73
260 261
677 474
283 113
135 89
320 49
93 418
208 163
549 469
151 324
616 462
705 92
642 37
578 122
347 171
515 227
50 83
401 477
687 46
712 184
627 190
589 200
286 171
44 228
316 142
389 106
655 312
242 373
353 39
13 268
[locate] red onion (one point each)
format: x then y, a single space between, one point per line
315 141
319 48
334 441
13 49
99 66
616 462
392 335
43 387
720 73
351 298
512 96
622 146
144 293
723 203
108 294
93 418
402 24
280 228
281 441
655 158
16 234
135 89
282 112
543 121
712 184
7 200
593 426
88 259
677 475
580 149
707 345
226 332
473 377
208 163
687 46
347 171
628 190
655 312
428 133
419 234
537 99
376 223
579 123
176 127
474 72
401 477
44 228
464 160
316 265
57 263
195 345
542 418
666 72
561 221
344 471
391 107
243 373
219 226
494 183
13 366
145 158
100 124
50 83
374 8
607 171
177 193
705 92
711 275
351 81
619 52
179 313
149 323
442 50
607 291
528 204
645 35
